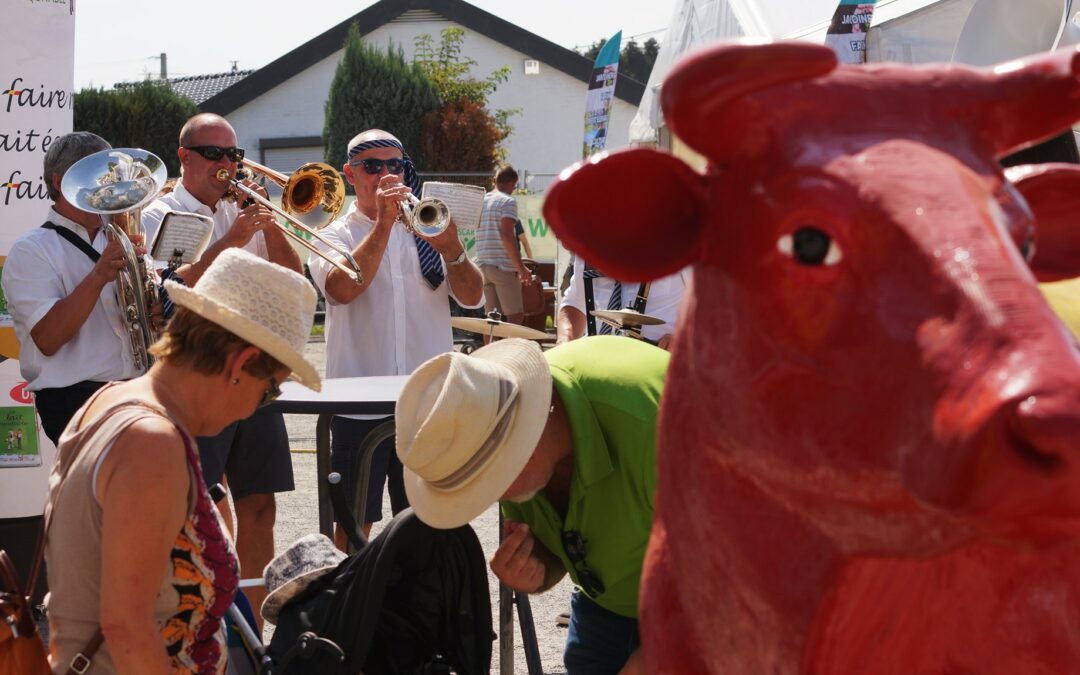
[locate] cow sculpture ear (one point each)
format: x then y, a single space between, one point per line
636 215
1053 193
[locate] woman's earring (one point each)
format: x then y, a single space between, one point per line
236 380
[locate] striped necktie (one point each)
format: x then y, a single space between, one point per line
430 265
614 302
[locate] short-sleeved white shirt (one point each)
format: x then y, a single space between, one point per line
398 322
223 213
665 298
43 268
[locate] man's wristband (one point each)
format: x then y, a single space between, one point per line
458 260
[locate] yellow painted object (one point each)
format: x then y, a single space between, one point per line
1064 298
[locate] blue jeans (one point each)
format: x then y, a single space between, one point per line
600 641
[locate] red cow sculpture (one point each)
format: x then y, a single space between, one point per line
869 438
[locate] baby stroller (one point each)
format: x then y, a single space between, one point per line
413 601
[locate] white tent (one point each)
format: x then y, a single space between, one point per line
979 32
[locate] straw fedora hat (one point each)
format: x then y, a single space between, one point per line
286 575
266 304
467 425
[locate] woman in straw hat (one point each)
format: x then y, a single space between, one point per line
135 547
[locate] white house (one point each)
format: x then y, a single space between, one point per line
278 110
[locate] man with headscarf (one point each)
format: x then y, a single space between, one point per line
399 316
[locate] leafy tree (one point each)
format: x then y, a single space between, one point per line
147 115
376 89
462 134
635 61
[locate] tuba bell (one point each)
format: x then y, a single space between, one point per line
116 184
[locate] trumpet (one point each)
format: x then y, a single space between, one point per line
428 217
310 200
116 184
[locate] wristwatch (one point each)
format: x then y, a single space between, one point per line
458 260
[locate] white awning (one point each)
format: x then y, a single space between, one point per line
980 32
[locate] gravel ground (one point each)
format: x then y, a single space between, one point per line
297 515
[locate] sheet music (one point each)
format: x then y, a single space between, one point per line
188 233
464 201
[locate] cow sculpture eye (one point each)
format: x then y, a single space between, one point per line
810 246
1027 249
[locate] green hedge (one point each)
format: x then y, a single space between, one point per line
148 116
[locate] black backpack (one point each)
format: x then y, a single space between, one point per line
413 601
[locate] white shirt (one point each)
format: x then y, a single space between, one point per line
398 322
43 268
224 213
665 298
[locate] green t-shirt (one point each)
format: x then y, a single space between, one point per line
611 390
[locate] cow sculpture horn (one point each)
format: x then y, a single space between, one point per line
1029 100
707 81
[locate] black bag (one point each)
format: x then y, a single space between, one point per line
414 600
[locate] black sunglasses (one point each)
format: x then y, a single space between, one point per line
374 166
574 544
271 394
216 152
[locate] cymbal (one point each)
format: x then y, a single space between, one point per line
496 328
627 317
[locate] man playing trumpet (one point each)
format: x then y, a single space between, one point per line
400 316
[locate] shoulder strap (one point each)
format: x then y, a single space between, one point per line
590 305
74 239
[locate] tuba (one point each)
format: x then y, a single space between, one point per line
116 184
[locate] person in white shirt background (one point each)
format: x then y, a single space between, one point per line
664 299
68 322
253 454
400 316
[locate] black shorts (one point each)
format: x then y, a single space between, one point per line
252 453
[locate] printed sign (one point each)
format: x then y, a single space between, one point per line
18 437
37 75
601 92
847 32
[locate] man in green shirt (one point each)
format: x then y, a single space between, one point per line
567 441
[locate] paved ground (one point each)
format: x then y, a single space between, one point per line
298 515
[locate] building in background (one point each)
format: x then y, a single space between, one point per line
278 110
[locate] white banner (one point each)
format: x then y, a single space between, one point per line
37 76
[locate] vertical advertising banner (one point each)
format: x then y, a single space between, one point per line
847 32
37 76
601 91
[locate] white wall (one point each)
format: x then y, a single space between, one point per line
547 132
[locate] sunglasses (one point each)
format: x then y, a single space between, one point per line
216 152
271 394
375 166
574 544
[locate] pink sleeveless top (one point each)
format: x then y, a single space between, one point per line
201 575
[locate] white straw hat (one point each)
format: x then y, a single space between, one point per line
266 304
467 425
286 575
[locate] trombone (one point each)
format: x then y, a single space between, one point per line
310 200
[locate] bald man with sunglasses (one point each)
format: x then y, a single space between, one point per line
400 316
251 455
